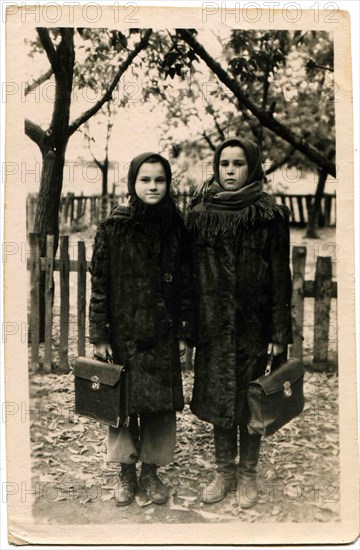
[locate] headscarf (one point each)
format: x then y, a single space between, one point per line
253 157
220 198
134 168
215 210
155 219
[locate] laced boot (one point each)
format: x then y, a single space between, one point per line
126 488
248 491
152 486
225 478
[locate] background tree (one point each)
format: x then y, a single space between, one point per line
89 135
274 92
100 63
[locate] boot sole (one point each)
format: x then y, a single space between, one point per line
155 501
121 504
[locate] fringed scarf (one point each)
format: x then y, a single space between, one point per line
215 210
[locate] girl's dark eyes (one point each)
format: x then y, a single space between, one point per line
158 180
236 162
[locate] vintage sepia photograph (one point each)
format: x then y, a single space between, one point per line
180 220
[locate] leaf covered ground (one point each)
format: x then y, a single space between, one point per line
298 468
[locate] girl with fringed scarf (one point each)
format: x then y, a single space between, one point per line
243 285
141 313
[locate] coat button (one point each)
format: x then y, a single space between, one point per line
167 278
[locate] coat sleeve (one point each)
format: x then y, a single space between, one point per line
186 330
281 285
99 301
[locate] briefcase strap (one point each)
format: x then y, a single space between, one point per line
270 357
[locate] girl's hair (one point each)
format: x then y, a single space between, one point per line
153 160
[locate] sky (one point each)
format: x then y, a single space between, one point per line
137 128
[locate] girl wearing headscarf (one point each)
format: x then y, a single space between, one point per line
140 315
243 286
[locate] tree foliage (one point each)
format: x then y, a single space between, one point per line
281 71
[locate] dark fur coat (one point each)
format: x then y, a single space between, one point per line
243 286
142 302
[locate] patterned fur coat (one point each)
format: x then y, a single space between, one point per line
142 302
243 287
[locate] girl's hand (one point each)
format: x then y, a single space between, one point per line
103 351
277 348
182 350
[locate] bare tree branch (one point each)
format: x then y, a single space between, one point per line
253 125
43 78
48 46
107 96
266 118
35 133
208 141
276 165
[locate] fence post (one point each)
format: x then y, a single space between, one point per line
81 297
34 298
328 200
65 210
308 199
79 201
72 208
292 209
323 288
64 268
49 288
301 209
97 211
298 265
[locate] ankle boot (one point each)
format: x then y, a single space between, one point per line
219 487
152 486
126 488
225 453
248 491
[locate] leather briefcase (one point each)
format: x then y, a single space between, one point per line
100 391
275 397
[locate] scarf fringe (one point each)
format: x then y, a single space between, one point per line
212 223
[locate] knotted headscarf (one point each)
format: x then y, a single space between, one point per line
153 218
134 168
215 210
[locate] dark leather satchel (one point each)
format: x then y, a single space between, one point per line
276 397
100 391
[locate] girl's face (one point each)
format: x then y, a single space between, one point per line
233 168
150 184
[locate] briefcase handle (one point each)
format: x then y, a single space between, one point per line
108 360
270 357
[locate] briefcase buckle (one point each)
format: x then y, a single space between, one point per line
95 383
287 389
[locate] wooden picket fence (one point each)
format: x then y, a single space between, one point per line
91 209
300 207
323 289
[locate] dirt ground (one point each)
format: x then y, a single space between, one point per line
298 467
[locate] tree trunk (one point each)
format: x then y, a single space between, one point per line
316 206
47 213
53 142
105 171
